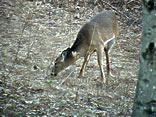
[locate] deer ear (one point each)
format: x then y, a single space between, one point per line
63 55
74 54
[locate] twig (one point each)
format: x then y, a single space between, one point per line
65 79
19 43
117 11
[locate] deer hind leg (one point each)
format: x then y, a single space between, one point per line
86 59
107 49
100 62
107 61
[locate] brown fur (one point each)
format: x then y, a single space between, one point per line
98 35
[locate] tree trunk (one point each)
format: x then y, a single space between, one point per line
145 99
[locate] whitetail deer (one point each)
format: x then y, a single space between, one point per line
98 35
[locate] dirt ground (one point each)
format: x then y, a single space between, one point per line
33 34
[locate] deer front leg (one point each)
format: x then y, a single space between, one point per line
86 59
100 62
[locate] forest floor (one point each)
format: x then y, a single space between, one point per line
33 34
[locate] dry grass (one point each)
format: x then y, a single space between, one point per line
33 34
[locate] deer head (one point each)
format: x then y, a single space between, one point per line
66 58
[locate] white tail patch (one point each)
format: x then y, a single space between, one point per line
105 43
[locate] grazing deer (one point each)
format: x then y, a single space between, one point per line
98 35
